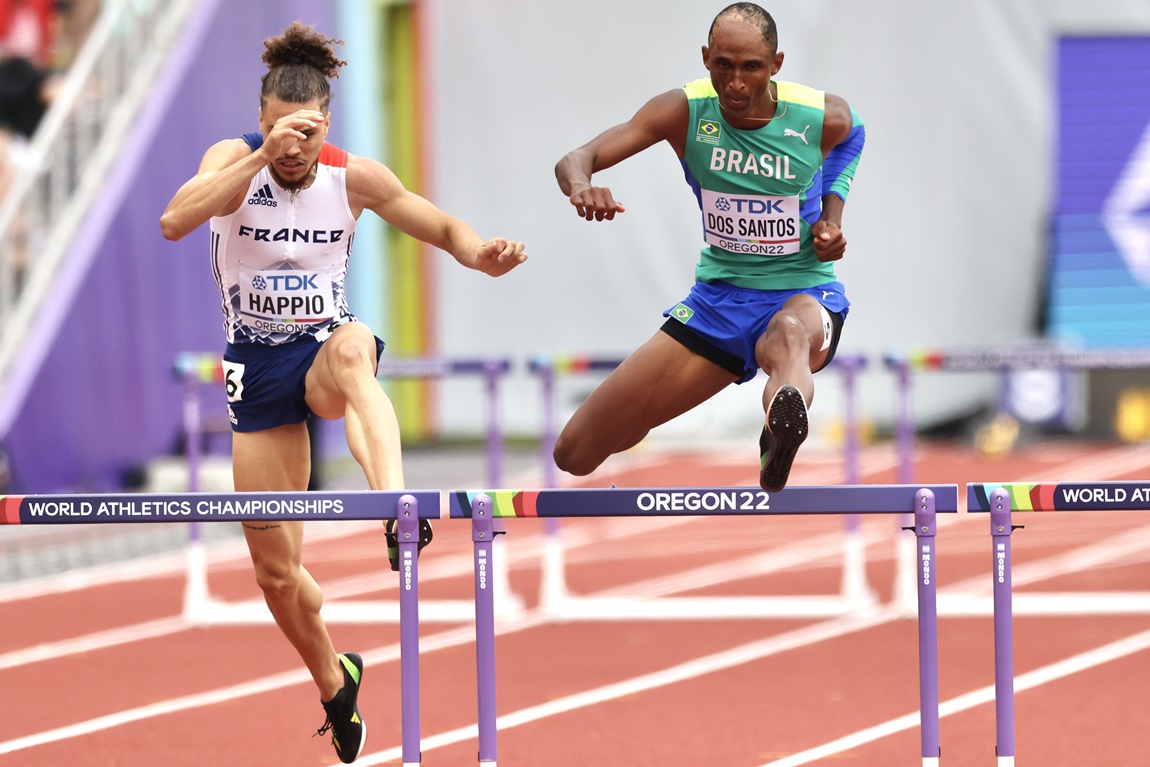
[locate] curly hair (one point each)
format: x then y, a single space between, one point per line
754 15
300 62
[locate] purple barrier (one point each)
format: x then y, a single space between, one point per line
483 507
1000 499
1025 357
408 507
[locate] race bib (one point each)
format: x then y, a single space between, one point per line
751 223
284 301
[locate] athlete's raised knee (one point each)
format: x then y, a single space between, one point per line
785 338
573 460
352 352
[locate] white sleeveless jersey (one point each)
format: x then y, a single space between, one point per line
280 260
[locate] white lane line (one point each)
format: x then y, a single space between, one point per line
450 638
691 669
793 555
100 640
810 552
1072 665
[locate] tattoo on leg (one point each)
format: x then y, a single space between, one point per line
251 526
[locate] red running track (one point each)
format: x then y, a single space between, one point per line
107 673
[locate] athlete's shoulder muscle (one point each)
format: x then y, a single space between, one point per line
370 183
837 120
224 153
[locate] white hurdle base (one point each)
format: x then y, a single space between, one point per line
1049 603
202 609
251 612
855 597
700 608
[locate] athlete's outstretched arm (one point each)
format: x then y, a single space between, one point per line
663 118
372 185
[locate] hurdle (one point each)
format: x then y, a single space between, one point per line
854 597
195 369
407 507
1000 500
484 507
904 362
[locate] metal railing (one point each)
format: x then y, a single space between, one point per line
72 151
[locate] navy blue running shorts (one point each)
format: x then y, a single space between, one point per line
266 384
723 322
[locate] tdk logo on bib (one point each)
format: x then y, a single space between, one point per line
285 282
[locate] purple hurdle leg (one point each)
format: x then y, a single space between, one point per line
905 426
482 532
924 529
196 586
1000 530
407 529
547 440
193 431
491 373
851 428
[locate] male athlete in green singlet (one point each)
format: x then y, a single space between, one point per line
771 164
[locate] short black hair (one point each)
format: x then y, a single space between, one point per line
752 14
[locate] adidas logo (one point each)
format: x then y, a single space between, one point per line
263 196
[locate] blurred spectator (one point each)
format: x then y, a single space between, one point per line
38 39
27 30
25 91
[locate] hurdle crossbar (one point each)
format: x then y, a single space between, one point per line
923 502
407 507
904 362
196 369
1000 499
854 597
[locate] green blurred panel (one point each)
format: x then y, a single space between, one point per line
406 264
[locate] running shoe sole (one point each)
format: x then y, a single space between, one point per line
786 430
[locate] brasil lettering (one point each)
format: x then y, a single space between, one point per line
118 509
765 165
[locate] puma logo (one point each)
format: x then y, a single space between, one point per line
796 134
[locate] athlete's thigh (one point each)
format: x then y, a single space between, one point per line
660 380
276 547
323 394
271 459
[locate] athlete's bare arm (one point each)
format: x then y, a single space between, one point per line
225 172
371 185
663 118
